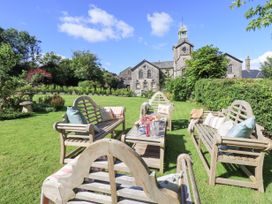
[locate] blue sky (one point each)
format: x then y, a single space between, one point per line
124 32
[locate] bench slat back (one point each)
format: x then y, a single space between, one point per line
114 151
239 111
88 108
156 99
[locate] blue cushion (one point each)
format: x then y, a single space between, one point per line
75 116
243 129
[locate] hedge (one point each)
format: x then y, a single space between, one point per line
216 94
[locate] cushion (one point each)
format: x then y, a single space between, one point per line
106 114
243 129
225 127
170 181
164 109
75 116
213 121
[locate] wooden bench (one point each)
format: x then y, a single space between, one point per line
87 179
81 135
237 151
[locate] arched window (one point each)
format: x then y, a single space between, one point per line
140 74
149 74
137 85
145 84
230 69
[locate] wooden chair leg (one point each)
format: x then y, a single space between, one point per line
259 176
124 126
62 150
213 166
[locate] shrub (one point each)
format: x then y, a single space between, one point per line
10 114
180 88
220 93
49 103
57 102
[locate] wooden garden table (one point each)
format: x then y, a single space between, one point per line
151 148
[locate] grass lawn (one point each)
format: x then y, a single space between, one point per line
29 152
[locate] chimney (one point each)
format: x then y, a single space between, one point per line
247 63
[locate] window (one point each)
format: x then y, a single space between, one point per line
153 84
137 85
145 84
140 74
230 69
149 74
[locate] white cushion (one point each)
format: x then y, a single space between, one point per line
213 121
164 109
225 128
207 120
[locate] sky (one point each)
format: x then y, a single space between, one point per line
121 33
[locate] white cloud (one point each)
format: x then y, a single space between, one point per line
160 23
98 26
256 63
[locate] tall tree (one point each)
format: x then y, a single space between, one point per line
8 59
86 66
207 62
259 15
266 68
23 44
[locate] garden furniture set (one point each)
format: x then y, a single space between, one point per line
110 171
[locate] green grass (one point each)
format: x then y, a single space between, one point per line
29 152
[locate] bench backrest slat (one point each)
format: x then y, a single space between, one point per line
88 108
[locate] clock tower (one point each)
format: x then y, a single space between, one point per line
182 51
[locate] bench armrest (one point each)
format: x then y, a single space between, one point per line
187 183
261 144
65 128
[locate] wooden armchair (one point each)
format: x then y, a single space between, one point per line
91 178
237 151
157 99
82 135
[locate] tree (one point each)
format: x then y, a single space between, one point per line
259 15
86 66
22 44
207 62
110 80
8 59
266 68
65 74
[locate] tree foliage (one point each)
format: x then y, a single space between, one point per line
266 68
86 66
259 15
8 83
206 62
22 43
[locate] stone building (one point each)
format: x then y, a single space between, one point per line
251 73
147 75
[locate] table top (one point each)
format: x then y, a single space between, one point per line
135 134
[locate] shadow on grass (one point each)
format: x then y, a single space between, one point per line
179 124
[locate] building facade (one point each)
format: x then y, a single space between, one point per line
147 75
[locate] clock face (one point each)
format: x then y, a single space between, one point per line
184 49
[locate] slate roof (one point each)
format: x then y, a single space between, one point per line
233 57
125 70
165 64
143 61
253 73
183 42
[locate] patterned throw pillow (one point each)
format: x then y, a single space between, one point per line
106 114
75 116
